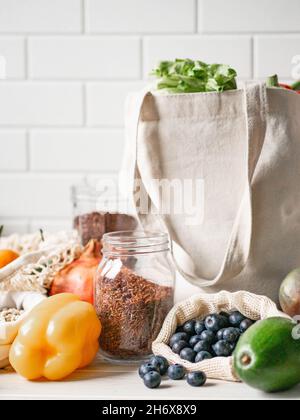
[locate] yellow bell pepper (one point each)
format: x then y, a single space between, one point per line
58 336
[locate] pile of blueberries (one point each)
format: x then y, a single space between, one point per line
215 336
158 366
197 340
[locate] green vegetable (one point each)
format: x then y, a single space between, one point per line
289 293
272 81
296 85
42 235
267 356
187 76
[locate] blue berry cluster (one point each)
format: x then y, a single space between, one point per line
214 336
158 366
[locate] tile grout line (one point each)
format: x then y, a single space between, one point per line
28 151
142 61
70 81
136 33
66 127
196 11
253 57
84 105
146 33
26 59
83 16
56 174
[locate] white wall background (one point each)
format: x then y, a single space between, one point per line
70 64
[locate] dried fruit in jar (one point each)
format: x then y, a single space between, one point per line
94 225
131 310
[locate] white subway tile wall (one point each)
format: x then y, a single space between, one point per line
105 102
66 67
13 156
37 103
76 150
274 51
40 16
143 16
235 50
250 16
85 57
13 50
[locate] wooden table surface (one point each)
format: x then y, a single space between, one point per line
105 382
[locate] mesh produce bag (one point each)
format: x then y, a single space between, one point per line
39 261
25 281
31 242
199 306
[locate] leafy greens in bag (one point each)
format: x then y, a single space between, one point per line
187 76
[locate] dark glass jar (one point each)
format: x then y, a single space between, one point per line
98 210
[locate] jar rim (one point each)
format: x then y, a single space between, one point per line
90 194
136 241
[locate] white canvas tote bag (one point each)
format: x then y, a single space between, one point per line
244 147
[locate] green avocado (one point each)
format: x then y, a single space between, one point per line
267 356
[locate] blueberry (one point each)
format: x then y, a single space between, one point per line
245 324
152 379
177 337
202 355
232 347
208 336
215 322
179 329
224 314
154 363
196 378
188 354
231 335
179 345
146 368
222 349
189 327
202 346
220 334
161 362
194 340
176 371
236 318
199 327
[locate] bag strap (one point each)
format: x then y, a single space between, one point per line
239 244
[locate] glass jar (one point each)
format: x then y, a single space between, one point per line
134 291
98 208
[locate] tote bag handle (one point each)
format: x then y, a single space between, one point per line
239 243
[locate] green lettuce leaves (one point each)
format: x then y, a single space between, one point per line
187 76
